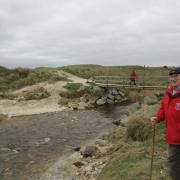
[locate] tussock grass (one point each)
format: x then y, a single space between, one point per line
73 91
20 77
76 90
37 94
137 129
73 86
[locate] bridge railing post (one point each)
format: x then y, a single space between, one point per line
123 81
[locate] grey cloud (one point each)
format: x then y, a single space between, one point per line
59 32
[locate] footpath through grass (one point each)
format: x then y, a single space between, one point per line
131 157
145 75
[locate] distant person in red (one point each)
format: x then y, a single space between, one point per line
133 78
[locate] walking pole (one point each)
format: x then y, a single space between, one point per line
152 155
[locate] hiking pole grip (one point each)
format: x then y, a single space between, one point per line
153 144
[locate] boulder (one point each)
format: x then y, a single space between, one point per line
92 101
73 106
118 97
78 164
76 148
89 151
82 105
121 93
110 96
117 122
114 92
83 99
91 105
110 101
101 101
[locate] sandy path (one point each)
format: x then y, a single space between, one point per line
16 107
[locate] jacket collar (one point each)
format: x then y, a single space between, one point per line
170 89
170 92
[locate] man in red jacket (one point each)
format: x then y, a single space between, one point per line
170 113
133 77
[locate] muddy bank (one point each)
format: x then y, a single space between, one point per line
32 144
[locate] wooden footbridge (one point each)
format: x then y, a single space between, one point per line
152 82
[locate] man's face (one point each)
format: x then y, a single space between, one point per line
175 80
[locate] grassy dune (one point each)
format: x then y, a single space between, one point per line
20 77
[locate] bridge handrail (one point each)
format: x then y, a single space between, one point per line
152 80
131 87
149 76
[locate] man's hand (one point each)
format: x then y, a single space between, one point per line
153 120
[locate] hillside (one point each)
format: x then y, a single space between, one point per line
157 76
88 71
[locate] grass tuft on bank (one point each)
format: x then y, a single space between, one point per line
131 157
77 90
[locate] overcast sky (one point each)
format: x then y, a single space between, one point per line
107 32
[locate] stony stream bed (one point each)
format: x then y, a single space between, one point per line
29 145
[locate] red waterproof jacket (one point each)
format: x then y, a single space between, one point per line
133 76
170 112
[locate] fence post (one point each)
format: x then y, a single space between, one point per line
143 77
123 81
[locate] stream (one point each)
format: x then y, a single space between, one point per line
29 145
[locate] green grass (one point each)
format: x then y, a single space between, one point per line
132 162
77 90
88 71
20 77
146 75
73 86
130 159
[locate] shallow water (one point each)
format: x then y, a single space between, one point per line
31 144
